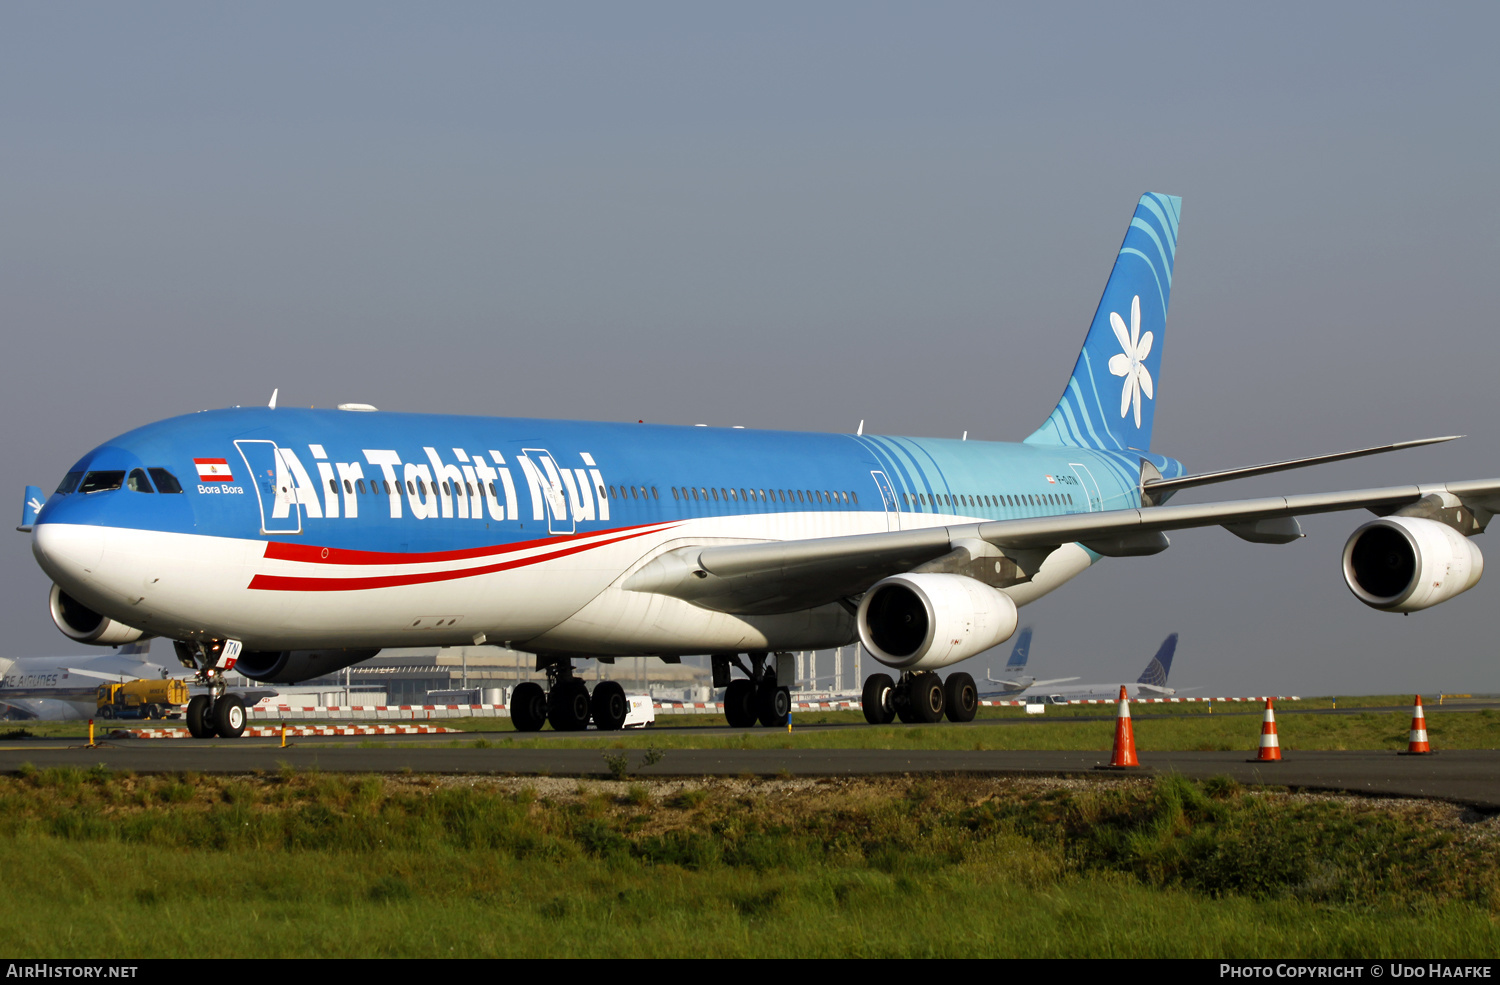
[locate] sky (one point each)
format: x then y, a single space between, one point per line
787 215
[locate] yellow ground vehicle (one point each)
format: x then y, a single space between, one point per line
142 699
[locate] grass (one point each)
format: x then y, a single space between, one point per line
370 866
1173 731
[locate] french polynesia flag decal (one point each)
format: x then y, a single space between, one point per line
213 470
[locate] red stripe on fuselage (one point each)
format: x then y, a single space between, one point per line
279 550
293 583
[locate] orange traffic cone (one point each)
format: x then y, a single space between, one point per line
1417 744
1124 755
1270 746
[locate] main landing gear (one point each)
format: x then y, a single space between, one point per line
756 697
919 696
567 703
214 713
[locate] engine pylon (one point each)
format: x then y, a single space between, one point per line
1416 744
1123 757
1270 745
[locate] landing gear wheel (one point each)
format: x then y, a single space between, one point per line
926 697
528 707
901 700
877 699
774 705
229 717
199 718
960 698
568 705
610 706
739 703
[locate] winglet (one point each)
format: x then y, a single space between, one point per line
30 507
274 392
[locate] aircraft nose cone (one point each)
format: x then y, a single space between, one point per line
68 552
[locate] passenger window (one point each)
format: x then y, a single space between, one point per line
674 493
165 481
138 482
333 486
102 481
733 496
716 494
633 493
361 484
349 487
855 497
69 483
654 493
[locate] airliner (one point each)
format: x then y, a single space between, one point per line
67 688
288 543
1151 684
1014 684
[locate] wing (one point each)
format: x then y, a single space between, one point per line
785 576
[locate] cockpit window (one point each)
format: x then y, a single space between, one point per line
69 483
165 481
102 481
137 482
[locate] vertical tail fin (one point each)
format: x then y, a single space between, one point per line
1160 665
1020 652
1110 401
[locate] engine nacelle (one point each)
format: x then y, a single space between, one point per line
79 622
294 666
1405 563
925 621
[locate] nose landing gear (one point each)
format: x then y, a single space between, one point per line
214 713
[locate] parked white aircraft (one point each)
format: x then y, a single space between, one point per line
64 688
1015 683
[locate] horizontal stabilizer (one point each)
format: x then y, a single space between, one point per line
1154 491
1055 680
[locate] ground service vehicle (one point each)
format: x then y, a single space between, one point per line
142 699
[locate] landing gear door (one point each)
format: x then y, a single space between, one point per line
888 497
1090 487
280 513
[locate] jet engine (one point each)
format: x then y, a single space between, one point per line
1404 563
929 620
293 666
83 624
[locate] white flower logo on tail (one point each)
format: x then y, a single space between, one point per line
1131 363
